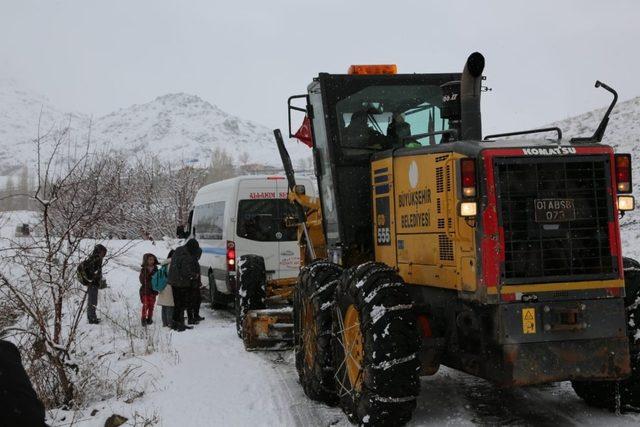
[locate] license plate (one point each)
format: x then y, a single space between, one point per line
554 210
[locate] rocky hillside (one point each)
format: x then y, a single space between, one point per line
623 131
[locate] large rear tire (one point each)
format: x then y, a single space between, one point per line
603 394
252 288
313 298
375 345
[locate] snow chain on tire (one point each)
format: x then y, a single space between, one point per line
603 394
252 287
313 298
388 381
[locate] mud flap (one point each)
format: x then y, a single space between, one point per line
268 329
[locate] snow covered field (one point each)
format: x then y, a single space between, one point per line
204 377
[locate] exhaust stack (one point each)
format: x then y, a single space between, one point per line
470 88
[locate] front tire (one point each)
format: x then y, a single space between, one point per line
602 394
252 288
375 346
313 298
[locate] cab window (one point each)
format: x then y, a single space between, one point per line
389 116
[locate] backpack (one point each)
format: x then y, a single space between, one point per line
81 275
159 279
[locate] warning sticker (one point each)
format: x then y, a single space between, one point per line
529 320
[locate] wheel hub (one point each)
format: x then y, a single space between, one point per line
309 333
353 347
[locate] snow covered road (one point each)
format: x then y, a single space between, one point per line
218 383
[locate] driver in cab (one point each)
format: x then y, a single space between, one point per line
358 133
399 132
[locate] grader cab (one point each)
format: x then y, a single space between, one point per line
431 245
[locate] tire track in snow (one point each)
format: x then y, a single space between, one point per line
303 410
280 385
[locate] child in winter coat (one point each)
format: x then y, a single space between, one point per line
165 298
147 294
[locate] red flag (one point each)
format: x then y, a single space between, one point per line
304 133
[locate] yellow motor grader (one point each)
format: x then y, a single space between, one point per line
431 244
500 257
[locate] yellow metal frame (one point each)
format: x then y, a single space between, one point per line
429 243
313 222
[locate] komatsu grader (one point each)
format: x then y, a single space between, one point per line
431 245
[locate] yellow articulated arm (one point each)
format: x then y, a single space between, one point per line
311 231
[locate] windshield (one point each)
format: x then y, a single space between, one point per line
264 220
385 116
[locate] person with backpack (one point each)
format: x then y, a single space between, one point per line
147 295
161 284
89 273
184 276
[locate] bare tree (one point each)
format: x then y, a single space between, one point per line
221 166
158 198
9 194
182 186
72 198
243 158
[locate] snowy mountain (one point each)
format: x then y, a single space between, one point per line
185 127
178 126
20 112
623 131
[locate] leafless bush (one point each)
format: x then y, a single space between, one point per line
159 197
72 196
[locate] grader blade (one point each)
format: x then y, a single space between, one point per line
268 329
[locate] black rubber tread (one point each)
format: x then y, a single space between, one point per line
252 287
217 300
602 394
316 284
391 380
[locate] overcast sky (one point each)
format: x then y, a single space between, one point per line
249 56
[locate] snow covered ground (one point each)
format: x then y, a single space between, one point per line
204 377
201 377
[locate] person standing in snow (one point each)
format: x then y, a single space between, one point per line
195 297
193 313
184 276
147 294
165 297
90 275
